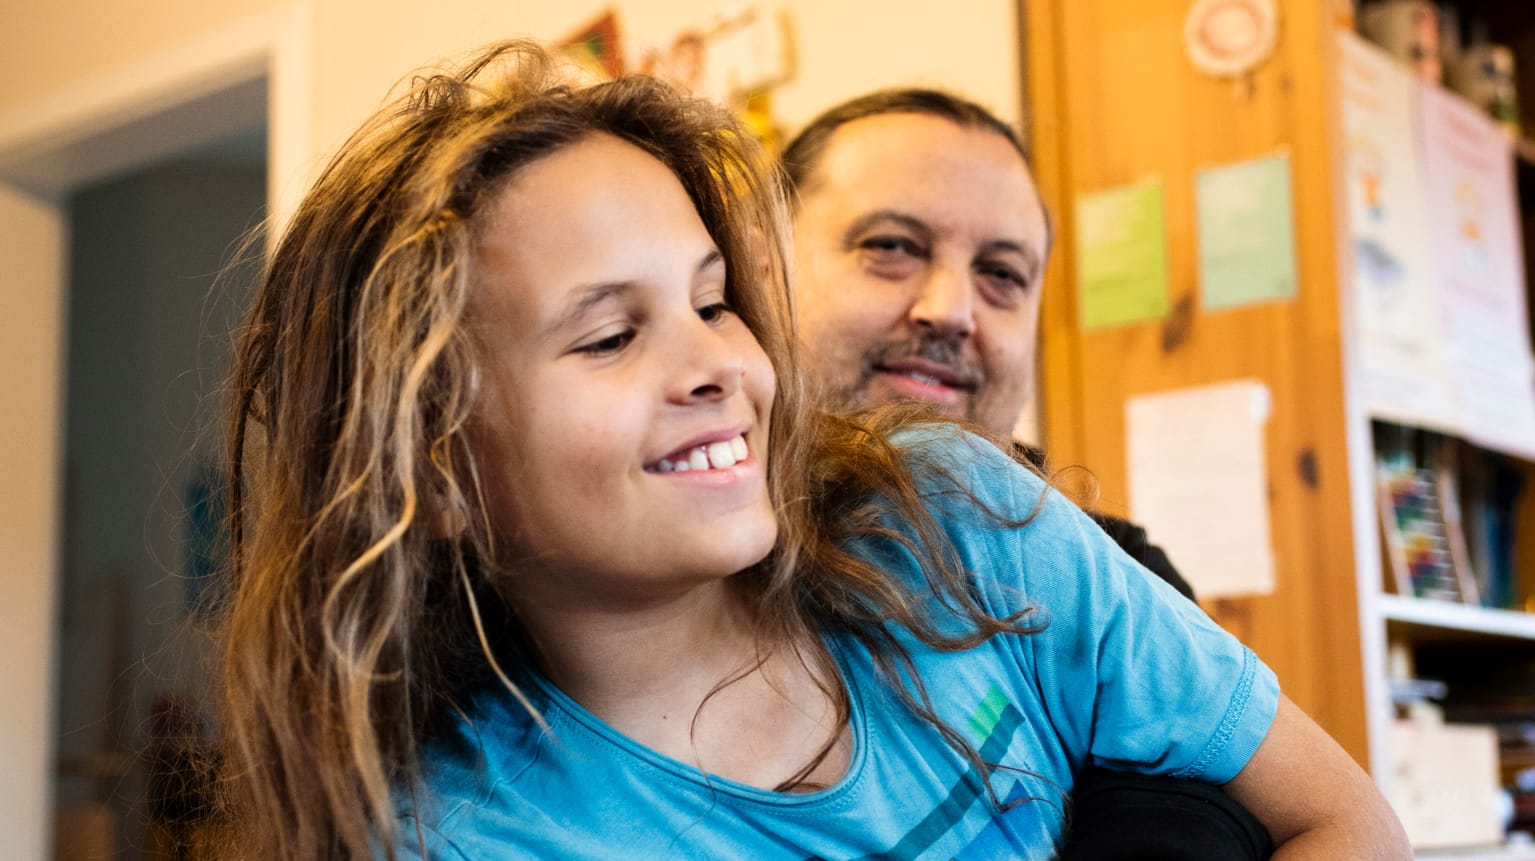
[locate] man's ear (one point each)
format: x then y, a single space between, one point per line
767 261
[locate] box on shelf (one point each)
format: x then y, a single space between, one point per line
1445 781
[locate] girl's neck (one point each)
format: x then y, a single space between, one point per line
688 678
608 659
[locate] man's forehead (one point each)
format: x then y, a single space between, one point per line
923 136
930 169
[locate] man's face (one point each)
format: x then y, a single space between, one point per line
920 245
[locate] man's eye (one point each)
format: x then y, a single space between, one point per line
891 245
609 345
1007 275
1003 285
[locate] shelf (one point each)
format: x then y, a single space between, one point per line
1442 620
1515 852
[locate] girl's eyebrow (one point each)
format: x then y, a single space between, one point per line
585 299
711 259
590 296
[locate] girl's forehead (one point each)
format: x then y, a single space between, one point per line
596 213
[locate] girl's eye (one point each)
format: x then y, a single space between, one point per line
609 345
713 312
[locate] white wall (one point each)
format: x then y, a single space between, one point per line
71 68
31 279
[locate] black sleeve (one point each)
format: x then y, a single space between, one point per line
1119 817
1127 535
1133 539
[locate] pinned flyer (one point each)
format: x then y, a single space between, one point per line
1122 255
1246 234
1199 483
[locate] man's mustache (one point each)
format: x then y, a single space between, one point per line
941 350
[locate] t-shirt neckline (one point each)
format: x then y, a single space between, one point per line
606 735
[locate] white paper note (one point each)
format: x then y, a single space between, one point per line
1394 291
1199 485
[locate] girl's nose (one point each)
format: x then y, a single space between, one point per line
709 365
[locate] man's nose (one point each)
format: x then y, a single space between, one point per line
946 305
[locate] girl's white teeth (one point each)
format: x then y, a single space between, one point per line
721 454
715 455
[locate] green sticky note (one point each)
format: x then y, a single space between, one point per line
1121 255
1246 233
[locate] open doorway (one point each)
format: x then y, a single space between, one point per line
152 299
135 201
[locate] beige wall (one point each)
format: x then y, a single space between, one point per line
67 67
50 47
842 48
70 68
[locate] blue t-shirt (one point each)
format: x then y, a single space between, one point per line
1126 674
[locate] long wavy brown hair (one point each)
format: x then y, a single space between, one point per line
361 610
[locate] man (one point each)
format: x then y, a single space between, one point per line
921 243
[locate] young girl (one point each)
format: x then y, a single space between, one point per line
538 552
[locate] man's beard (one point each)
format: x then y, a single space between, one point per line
945 350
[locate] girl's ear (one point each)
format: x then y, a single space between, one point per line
762 253
444 520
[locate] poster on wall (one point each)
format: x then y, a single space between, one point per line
1395 305
1122 249
1473 229
1246 233
736 59
595 49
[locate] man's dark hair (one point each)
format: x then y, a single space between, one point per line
803 154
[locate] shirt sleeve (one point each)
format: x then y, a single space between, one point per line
1132 676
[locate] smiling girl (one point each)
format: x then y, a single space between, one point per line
539 553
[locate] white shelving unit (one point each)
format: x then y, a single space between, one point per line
1423 625
1424 619
1515 852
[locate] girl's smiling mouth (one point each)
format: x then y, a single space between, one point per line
722 454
